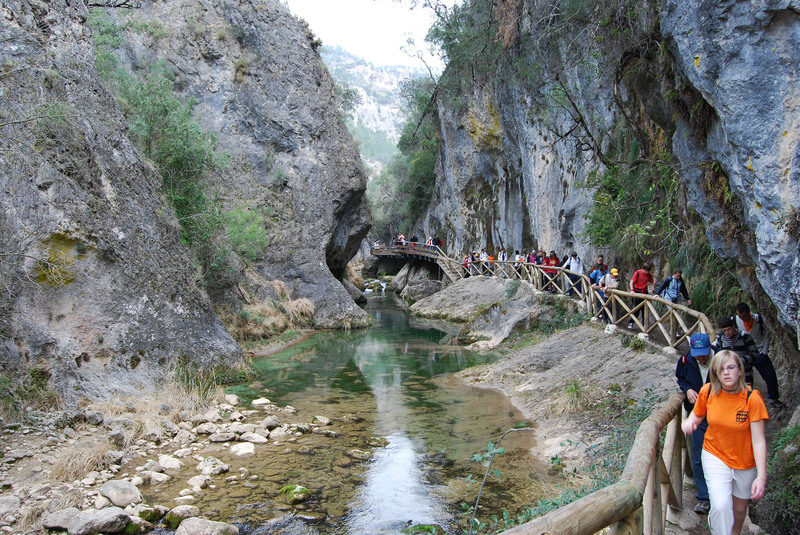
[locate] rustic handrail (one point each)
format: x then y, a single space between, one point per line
637 503
670 324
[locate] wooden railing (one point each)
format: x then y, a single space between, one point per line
650 314
653 314
636 504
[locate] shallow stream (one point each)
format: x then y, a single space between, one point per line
397 378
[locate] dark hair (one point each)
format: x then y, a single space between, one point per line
726 322
742 307
678 271
647 266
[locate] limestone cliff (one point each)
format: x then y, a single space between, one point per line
262 88
99 291
713 86
96 282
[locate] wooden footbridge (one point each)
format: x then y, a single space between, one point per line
652 479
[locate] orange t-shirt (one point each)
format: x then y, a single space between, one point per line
729 416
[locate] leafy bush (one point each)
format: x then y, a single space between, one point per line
247 233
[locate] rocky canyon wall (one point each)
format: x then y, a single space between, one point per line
96 281
262 89
99 291
709 84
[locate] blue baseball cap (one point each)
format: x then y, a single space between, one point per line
699 344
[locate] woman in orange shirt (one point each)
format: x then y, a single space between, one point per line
735 448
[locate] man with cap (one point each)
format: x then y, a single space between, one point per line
692 374
609 281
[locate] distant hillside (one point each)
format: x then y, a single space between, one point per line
378 118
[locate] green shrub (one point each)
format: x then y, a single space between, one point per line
247 233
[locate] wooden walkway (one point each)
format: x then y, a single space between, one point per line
667 322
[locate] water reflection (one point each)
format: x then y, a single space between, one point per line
397 377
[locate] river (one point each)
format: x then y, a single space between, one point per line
422 425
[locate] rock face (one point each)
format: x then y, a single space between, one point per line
262 88
100 281
517 148
736 55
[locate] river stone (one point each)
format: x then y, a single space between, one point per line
139 525
60 520
206 429
270 422
321 420
121 492
260 402
154 478
232 399
170 463
185 437
178 514
101 502
199 481
170 428
279 433
236 416
183 452
184 499
149 513
116 437
201 526
109 520
94 417
255 438
152 466
359 455
241 428
222 437
8 505
243 449
211 466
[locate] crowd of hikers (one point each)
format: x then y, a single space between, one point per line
725 414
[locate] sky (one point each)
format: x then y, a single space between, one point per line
374 30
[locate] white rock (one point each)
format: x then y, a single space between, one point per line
170 463
200 526
232 399
260 401
243 449
183 452
8 505
199 481
211 466
255 438
184 500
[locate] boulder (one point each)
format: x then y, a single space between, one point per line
94 418
8 505
270 422
211 466
201 526
109 520
222 437
121 492
178 514
232 399
255 438
243 449
59 520
170 463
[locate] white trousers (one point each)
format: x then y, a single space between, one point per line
723 484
